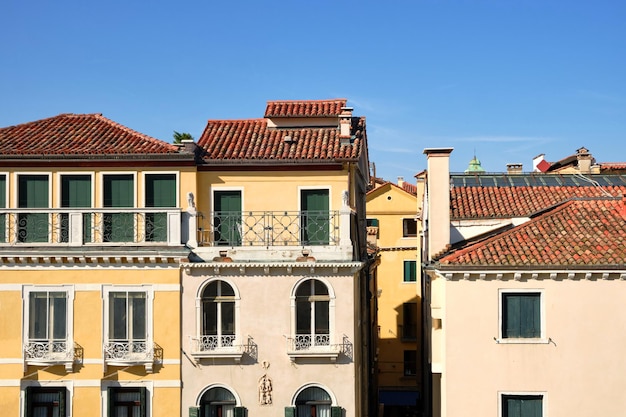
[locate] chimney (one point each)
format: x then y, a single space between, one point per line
400 181
513 168
585 160
537 160
438 195
345 126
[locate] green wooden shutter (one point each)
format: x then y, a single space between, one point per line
315 217
227 221
410 271
33 193
28 402
76 193
119 191
142 400
110 401
3 204
240 412
194 411
160 191
336 412
521 315
62 400
290 411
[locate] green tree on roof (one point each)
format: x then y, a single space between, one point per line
179 137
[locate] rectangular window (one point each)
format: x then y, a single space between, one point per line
409 228
127 317
119 192
410 271
521 315
409 321
47 316
75 193
126 402
160 191
315 221
410 362
522 405
3 204
45 402
33 193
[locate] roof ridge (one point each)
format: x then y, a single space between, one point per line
133 131
307 101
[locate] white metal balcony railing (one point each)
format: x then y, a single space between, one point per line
309 345
136 351
224 347
75 227
269 228
49 352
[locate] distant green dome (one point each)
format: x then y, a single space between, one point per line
474 167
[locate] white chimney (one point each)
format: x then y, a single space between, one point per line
438 193
400 181
345 125
537 160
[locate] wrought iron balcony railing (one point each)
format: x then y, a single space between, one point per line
269 228
128 351
319 345
225 346
74 227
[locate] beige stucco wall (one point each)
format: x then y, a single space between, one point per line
580 371
265 315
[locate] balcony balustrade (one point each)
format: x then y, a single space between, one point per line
270 228
130 353
317 346
75 227
224 347
49 352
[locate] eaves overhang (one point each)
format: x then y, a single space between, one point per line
269 267
557 273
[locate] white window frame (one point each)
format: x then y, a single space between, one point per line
237 299
416 228
67 384
101 176
543 394
416 272
16 196
212 191
331 307
104 393
106 337
59 175
69 317
145 174
7 197
542 314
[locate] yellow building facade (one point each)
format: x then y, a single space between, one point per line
392 211
90 243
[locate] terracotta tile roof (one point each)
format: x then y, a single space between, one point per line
78 134
506 202
251 140
612 166
409 188
305 108
584 232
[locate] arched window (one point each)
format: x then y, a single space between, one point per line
313 402
218 316
312 315
217 402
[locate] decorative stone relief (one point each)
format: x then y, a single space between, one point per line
265 390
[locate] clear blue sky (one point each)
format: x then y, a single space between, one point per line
508 79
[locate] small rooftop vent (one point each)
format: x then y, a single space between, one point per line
288 139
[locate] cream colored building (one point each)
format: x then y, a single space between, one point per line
274 308
392 211
526 278
90 242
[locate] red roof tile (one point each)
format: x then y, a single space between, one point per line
78 134
252 140
506 202
580 232
612 166
305 108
